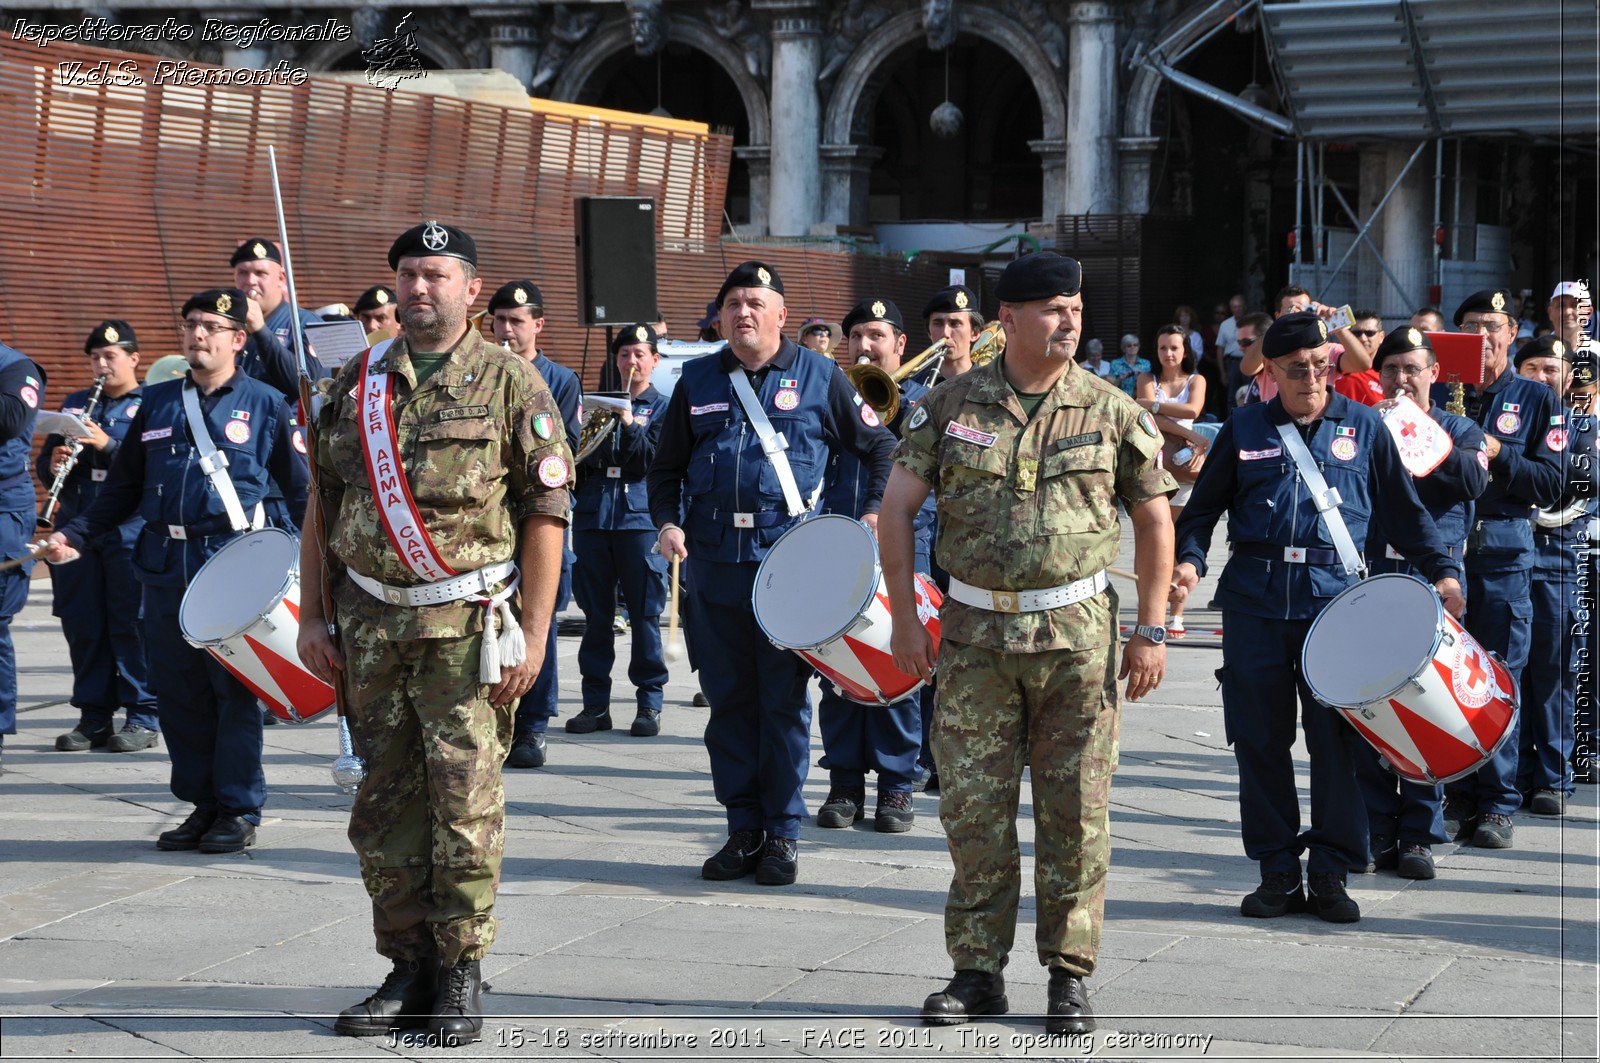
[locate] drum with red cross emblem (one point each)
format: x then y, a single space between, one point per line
1410 679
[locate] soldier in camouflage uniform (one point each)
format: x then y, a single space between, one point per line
1027 458
480 442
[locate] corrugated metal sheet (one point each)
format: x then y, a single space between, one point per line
1417 69
123 201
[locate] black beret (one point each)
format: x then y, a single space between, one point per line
873 310
951 300
515 294
1293 332
1041 275
432 238
750 275
638 333
256 249
1583 370
229 302
1546 346
112 333
1402 341
375 298
1488 301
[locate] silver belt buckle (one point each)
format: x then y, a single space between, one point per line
177 531
613 472
744 520
1295 555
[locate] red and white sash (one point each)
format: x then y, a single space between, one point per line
391 491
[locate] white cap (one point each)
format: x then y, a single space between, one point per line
1577 289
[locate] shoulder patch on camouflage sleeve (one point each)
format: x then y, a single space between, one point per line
919 417
1148 423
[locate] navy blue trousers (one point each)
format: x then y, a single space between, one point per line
608 560
1261 684
538 706
97 598
759 730
14 539
859 738
1550 682
211 721
1405 812
1500 616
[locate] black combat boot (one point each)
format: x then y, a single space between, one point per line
186 835
458 1004
1067 1004
403 1002
970 995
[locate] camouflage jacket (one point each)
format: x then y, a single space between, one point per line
483 447
1027 504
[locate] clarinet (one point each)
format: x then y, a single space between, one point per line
76 446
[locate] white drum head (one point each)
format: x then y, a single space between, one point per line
240 583
1371 639
816 581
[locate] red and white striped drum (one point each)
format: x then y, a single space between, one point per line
243 607
1406 675
820 593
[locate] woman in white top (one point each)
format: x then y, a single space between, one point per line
1175 394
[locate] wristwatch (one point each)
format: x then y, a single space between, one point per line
1154 632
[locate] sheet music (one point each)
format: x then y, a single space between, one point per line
336 342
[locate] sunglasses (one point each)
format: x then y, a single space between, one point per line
1245 345
1300 372
1365 333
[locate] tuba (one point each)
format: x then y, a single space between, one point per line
600 417
880 389
1560 518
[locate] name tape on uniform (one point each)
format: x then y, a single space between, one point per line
971 435
710 407
1260 455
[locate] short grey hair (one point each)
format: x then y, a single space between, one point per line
1129 338
1096 347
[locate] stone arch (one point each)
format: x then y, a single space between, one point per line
324 55
854 80
616 35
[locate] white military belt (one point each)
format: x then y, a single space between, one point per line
1028 601
479 583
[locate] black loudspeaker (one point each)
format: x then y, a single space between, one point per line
616 260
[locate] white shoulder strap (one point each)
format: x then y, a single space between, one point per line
772 443
1326 498
213 462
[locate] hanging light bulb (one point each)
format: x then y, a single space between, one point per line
946 119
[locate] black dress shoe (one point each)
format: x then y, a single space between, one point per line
646 723
780 864
527 751
403 1002
229 834
1067 1004
1278 894
593 718
1329 901
186 835
738 856
700 701
458 1004
970 995
83 737
846 805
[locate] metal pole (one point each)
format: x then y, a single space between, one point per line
1316 218
288 271
1376 211
1455 221
1363 237
1438 213
1299 198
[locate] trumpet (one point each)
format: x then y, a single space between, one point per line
880 389
602 418
65 469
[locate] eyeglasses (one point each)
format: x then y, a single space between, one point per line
1300 372
1365 333
1391 370
204 328
1488 328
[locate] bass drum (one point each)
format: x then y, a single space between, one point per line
1410 679
243 608
820 593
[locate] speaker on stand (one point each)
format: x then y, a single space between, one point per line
616 268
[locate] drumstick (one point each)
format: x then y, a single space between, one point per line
36 550
1123 573
674 640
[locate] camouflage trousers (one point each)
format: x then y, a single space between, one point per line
429 822
1054 712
